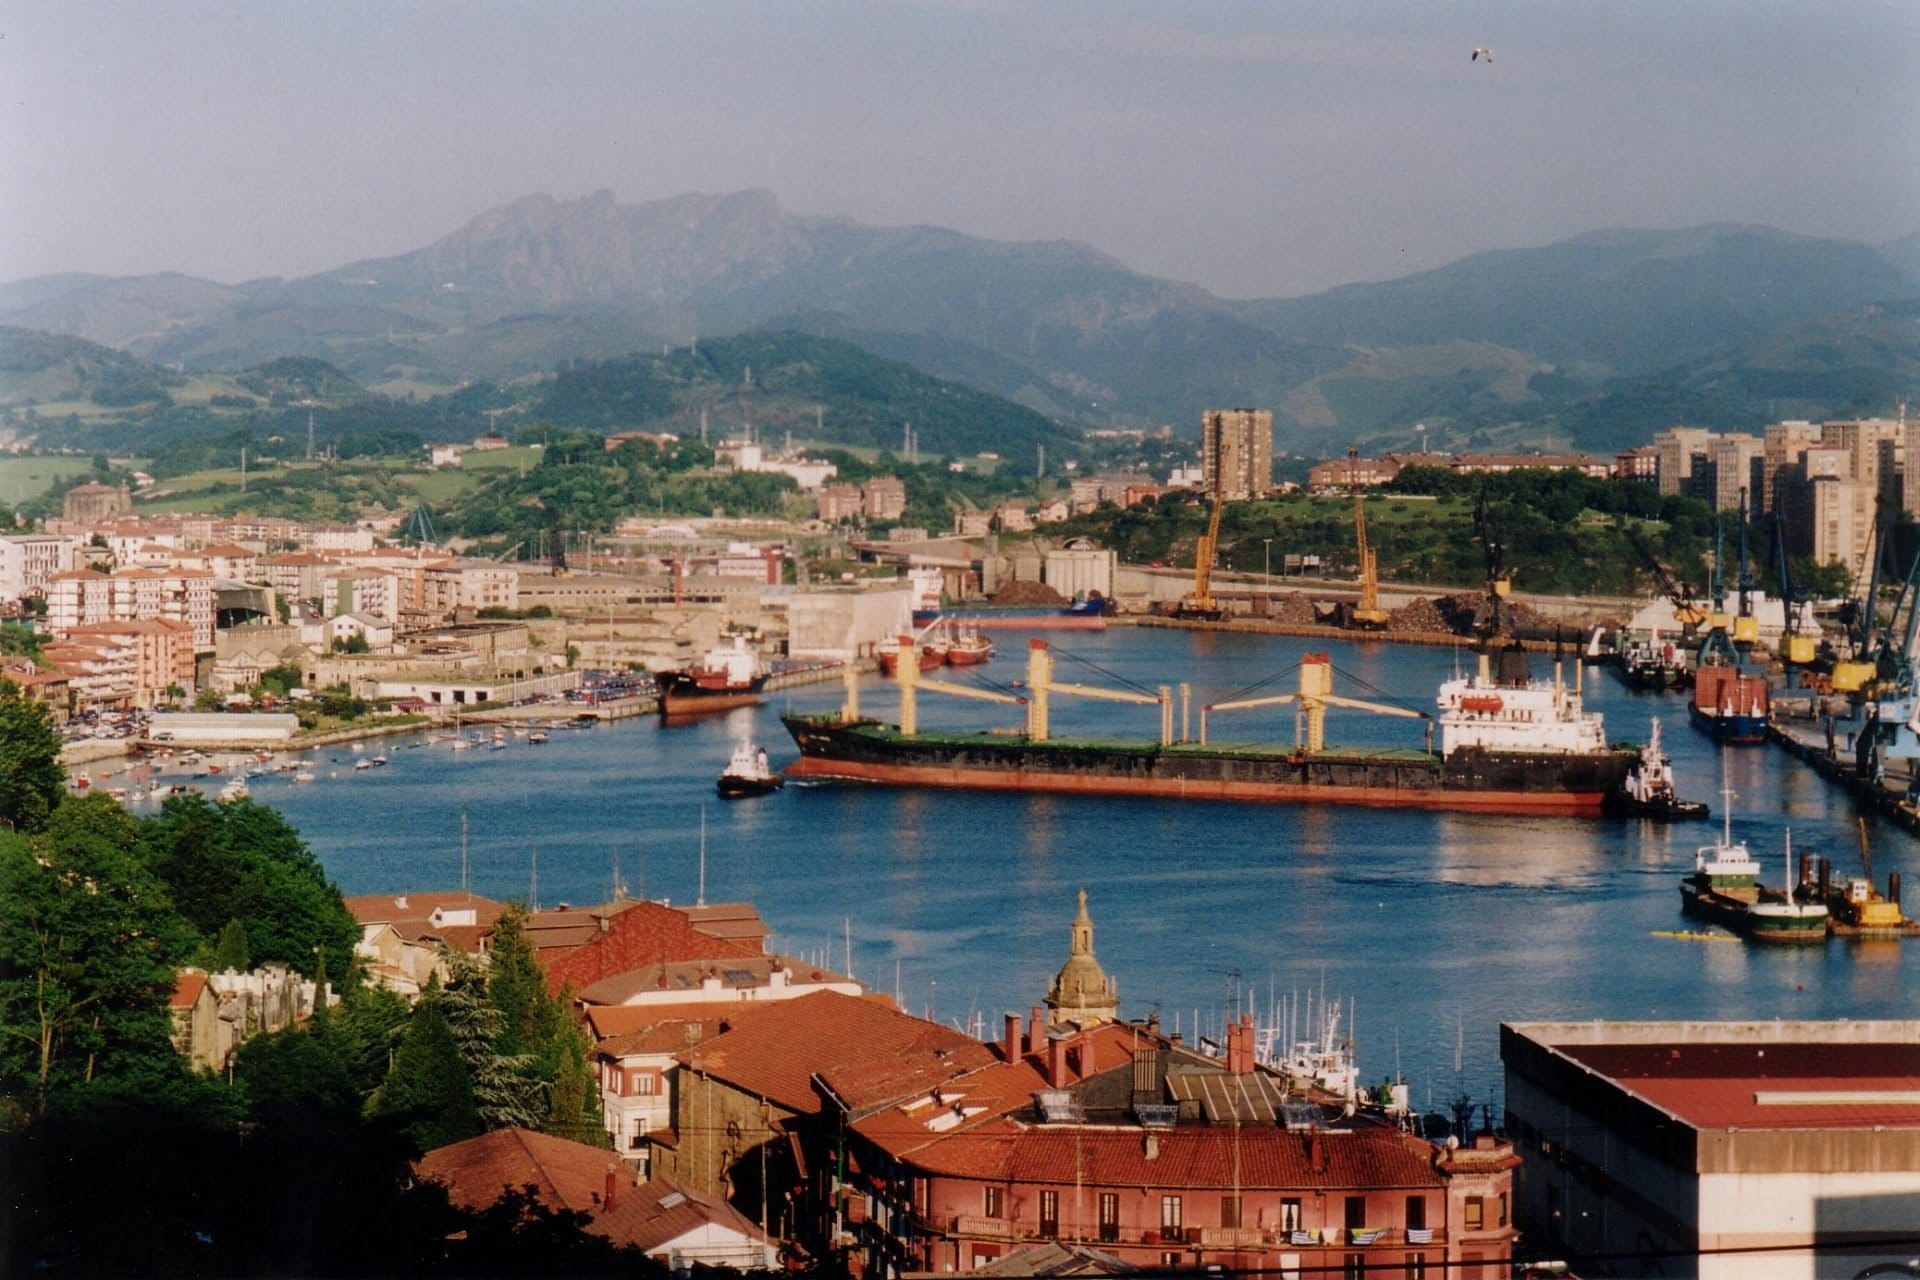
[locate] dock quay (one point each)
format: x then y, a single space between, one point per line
817 673
1826 744
1569 647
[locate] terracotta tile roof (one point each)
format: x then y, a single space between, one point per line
186 990
775 1048
643 934
1197 1157
573 1176
625 1019
688 978
729 920
666 1037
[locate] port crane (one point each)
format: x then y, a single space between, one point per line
1367 615
1686 611
1797 650
1495 615
1201 603
1893 730
1853 675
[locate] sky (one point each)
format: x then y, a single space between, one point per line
1256 149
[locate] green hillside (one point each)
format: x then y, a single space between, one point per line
815 388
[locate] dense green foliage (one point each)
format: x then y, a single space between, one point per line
242 861
88 941
31 780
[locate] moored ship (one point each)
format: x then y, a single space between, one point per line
1725 889
1729 705
1648 791
1509 744
729 676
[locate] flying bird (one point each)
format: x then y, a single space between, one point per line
1481 53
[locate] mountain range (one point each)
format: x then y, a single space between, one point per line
1576 342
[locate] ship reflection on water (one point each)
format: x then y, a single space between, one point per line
1438 926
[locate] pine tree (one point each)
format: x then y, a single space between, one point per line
516 985
428 1082
505 1089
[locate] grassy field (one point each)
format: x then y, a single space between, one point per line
28 476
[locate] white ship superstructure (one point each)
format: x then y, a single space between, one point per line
1517 714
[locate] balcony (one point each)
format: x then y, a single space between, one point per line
1233 1238
967 1224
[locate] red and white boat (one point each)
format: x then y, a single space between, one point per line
726 677
969 649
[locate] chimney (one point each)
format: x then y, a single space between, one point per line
613 1186
1316 1153
1240 1046
1037 1032
1011 1046
1057 1062
1086 1054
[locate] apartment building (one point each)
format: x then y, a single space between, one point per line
1236 453
29 561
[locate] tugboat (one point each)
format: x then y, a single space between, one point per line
748 773
1648 791
1648 662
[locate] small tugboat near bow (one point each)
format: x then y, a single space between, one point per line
748 773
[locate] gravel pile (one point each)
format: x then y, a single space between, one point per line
1292 609
1418 615
1025 594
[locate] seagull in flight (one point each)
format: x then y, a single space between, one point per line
1481 53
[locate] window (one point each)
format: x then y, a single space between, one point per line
1230 1211
1416 1213
1109 1216
1503 1210
1049 1213
995 1203
1356 1212
1171 1258
1476 1213
1416 1266
1289 1215
1354 1267
642 1083
1170 1216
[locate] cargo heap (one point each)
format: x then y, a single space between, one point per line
1508 744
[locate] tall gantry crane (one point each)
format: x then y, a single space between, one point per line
1367 614
1201 603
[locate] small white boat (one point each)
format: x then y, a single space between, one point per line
361 766
304 775
377 761
236 789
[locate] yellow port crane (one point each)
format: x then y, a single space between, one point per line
1367 614
1201 603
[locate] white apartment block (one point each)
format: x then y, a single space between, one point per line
29 561
178 595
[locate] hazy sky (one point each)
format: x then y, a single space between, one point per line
1254 148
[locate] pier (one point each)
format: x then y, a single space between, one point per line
1799 726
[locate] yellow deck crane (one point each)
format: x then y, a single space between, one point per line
1367 615
1314 696
1201 603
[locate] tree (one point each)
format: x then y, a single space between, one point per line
427 1086
243 861
537 1026
505 1090
230 952
87 944
31 779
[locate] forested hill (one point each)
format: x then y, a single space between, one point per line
780 383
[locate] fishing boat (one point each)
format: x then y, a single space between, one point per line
748 773
1648 791
969 649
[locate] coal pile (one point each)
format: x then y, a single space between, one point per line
1418 615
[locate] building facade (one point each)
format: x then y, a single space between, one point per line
1236 453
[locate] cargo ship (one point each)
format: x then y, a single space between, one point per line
726 677
1725 889
1728 704
1509 744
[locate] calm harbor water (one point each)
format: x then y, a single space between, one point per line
1437 927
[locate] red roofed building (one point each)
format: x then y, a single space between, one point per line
750 1116
645 933
662 1218
197 1034
1729 1146
1091 1133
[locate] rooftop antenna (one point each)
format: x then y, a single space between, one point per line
533 882
846 923
701 901
619 891
466 884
